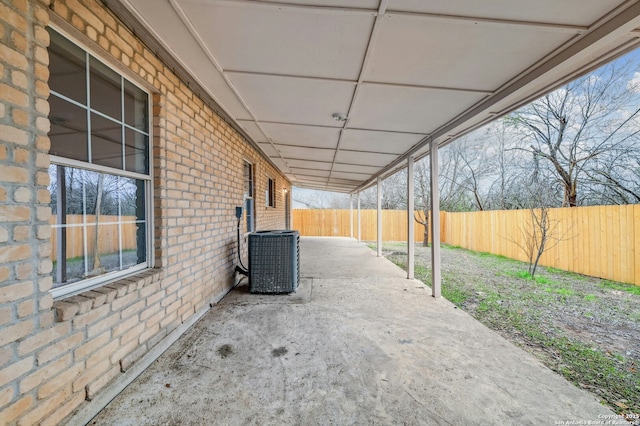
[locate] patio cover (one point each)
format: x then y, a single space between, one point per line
339 92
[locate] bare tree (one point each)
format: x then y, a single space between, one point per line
616 180
539 232
394 193
573 127
96 239
508 168
422 198
317 199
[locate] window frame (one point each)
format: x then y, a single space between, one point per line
249 217
270 198
80 286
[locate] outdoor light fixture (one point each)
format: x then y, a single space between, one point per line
339 117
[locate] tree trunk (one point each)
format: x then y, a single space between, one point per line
96 240
424 222
572 196
425 239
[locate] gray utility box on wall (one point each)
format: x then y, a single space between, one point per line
274 261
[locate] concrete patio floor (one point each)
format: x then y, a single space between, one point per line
358 343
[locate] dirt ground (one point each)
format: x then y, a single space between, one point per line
558 317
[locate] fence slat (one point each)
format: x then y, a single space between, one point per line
107 238
601 241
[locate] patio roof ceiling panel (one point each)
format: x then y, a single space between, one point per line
350 176
315 179
307 172
253 130
365 158
463 54
282 165
387 142
334 181
303 153
571 12
309 136
294 100
273 40
269 149
408 109
356 168
309 164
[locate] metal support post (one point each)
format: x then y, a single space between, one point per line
411 246
436 276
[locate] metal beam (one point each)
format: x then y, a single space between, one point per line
377 25
379 221
496 22
411 244
435 223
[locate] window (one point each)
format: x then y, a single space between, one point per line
100 178
271 191
248 186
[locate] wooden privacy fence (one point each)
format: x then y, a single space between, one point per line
107 237
600 241
335 223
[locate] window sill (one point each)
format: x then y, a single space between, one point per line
66 309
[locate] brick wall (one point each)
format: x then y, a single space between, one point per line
55 355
